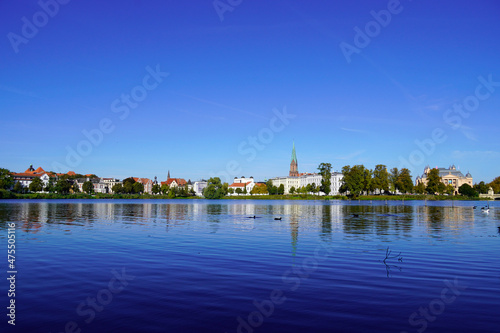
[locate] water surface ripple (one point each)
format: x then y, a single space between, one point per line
205 266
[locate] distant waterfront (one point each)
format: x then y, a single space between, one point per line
407 197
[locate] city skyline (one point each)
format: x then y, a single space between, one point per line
137 90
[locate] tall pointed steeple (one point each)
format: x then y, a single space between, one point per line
294 156
294 164
168 175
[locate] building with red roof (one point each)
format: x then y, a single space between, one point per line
242 183
148 184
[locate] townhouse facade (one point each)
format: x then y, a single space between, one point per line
148 184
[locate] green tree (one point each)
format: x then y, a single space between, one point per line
481 187
239 190
271 188
214 189
314 188
231 190
467 190
224 189
128 185
353 180
36 185
393 180
495 185
172 192
420 188
138 187
449 189
50 186
88 187
308 188
367 180
164 188
404 182
325 170
18 188
245 190
292 190
63 186
259 189
433 181
117 188
156 189
192 192
281 189
6 180
380 178
441 188
75 188
183 191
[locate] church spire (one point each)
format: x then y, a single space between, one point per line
168 175
294 164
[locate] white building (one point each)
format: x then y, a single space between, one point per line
199 186
110 182
297 180
310 178
242 183
101 185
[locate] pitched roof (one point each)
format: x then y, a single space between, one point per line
239 184
25 174
178 181
445 172
451 171
40 172
31 174
142 180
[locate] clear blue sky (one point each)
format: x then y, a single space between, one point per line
225 78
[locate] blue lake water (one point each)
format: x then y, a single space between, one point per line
204 266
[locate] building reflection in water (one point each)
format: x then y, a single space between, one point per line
436 219
327 218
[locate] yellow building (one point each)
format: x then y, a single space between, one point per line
450 176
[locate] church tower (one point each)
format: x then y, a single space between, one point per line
293 164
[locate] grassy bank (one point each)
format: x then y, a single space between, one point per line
361 198
10 195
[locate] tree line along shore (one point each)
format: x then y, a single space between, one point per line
401 197
358 183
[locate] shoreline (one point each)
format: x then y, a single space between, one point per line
406 197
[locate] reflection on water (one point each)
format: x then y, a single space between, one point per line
355 220
202 264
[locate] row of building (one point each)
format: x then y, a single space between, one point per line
295 180
101 185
